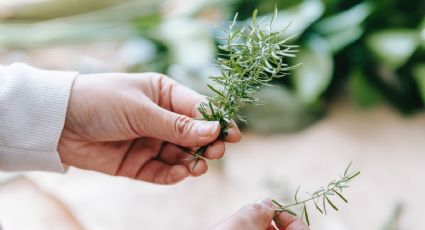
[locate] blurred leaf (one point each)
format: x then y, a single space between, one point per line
393 47
314 75
339 41
352 17
191 45
107 24
422 33
419 75
344 28
299 17
48 34
42 10
121 12
362 92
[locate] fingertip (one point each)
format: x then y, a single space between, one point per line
207 132
198 167
233 134
260 214
215 150
177 173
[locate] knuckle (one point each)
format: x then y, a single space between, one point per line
182 124
159 77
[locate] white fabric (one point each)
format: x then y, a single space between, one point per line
33 105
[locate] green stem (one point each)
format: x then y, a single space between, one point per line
284 208
199 153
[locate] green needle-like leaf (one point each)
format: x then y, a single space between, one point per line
330 202
306 215
340 196
317 207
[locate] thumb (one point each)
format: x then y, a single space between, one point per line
180 129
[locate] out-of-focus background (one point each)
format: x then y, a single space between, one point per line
358 96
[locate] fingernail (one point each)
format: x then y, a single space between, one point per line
266 203
206 128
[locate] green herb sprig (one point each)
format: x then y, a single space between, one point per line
320 198
250 57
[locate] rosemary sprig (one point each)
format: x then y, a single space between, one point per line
320 198
249 59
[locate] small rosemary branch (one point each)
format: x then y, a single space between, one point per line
320 198
250 57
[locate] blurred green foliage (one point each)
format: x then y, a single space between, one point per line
371 50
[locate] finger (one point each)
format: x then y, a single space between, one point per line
140 152
176 97
290 222
160 173
179 99
178 129
198 167
261 213
215 150
174 155
271 227
182 100
298 225
256 216
233 134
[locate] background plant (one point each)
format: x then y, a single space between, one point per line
369 50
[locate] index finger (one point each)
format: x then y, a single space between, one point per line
176 97
180 99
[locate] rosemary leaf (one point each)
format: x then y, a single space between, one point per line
341 196
307 220
330 202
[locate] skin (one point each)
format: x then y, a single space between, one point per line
138 126
259 216
141 126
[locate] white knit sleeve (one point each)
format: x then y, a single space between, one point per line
33 105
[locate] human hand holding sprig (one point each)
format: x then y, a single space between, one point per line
138 126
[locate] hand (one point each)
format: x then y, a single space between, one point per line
139 126
259 216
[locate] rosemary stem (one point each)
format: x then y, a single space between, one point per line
311 198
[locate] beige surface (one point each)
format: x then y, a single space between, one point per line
388 149
24 206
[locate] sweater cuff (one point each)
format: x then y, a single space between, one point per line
33 106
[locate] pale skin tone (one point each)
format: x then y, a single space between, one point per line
141 126
259 216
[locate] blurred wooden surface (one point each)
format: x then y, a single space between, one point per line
24 206
388 149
